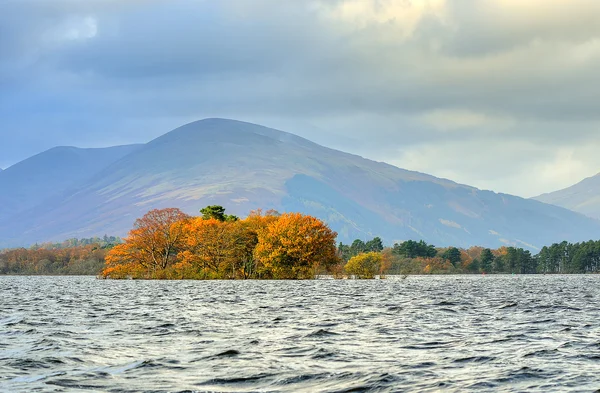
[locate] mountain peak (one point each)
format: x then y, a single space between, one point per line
220 130
245 166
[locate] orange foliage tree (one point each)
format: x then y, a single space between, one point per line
294 246
152 245
86 259
217 249
169 244
434 265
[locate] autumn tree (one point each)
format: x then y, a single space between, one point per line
44 259
218 249
365 265
259 219
294 245
152 244
256 221
245 243
387 260
434 265
125 260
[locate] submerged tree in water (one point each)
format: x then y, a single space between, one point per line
365 265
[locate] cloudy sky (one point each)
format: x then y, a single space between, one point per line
498 94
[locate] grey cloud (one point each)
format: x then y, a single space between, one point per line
288 53
147 66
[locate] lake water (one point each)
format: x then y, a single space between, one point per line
422 334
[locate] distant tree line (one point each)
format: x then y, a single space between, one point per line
418 257
88 259
168 244
103 242
569 258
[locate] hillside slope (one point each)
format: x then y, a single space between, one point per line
583 197
51 173
243 166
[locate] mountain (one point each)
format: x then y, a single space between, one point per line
244 166
583 197
50 174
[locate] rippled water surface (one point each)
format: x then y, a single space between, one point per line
422 334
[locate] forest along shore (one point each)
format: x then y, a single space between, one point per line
168 244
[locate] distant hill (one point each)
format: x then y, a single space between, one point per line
50 174
583 197
244 166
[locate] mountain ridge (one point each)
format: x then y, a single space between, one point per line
245 166
52 172
582 197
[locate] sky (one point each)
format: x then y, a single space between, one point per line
497 94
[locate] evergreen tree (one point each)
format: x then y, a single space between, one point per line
218 213
375 245
413 249
357 247
453 255
487 258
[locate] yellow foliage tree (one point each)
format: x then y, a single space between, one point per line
365 265
293 246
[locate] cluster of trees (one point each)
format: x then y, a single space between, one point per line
359 247
170 244
413 257
418 257
103 242
414 249
569 258
86 259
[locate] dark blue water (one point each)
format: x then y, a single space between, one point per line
422 334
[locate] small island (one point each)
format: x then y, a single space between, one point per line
169 244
